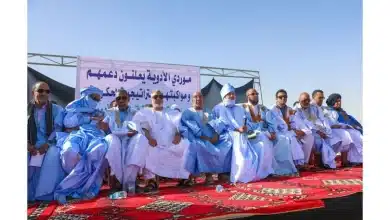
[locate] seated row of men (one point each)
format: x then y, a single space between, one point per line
69 149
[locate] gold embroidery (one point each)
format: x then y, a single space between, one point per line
345 182
165 206
246 196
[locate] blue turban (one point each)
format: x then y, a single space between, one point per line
227 88
91 90
84 103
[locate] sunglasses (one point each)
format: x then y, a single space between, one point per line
124 98
95 98
43 90
255 93
282 96
158 96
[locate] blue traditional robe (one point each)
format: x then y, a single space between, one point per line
301 148
83 152
45 171
203 156
251 159
264 122
125 155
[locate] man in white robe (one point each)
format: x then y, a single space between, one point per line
251 159
337 130
127 146
338 116
315 120
301 137
166 146
270 126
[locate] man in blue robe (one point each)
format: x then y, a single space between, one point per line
269 127
44 165
251 159
208 152
301 137
83 152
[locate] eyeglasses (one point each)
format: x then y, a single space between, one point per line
157 96
124 98
282 96
43 90
306 100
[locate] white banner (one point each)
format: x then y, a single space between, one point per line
177 82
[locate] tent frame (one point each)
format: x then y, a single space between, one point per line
71 61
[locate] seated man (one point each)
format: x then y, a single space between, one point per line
301 137
127 147
314 119
268 127
44 166
166 151
207 152
251 159
83 152
344 146
338 117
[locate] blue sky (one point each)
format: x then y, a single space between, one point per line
298 45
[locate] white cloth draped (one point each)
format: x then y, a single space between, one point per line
166 159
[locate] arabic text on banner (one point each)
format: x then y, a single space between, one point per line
177 82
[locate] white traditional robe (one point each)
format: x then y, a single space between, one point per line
125 155
166 159
301 147
339 133
352 136
251 159
314 119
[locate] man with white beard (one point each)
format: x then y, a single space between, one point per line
166 146
251 159
299 134
314 119
127 146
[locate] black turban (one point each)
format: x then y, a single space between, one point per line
332 99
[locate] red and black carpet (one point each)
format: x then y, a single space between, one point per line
271 196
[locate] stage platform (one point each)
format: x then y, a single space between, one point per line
312 195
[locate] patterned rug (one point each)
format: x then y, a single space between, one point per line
270 196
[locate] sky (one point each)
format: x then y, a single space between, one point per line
298 45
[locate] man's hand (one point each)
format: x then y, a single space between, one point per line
336 126
176 139
152 142
322 135
131 133
242 129
43 148
273 136
102 125
32 150
299 133
215 139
